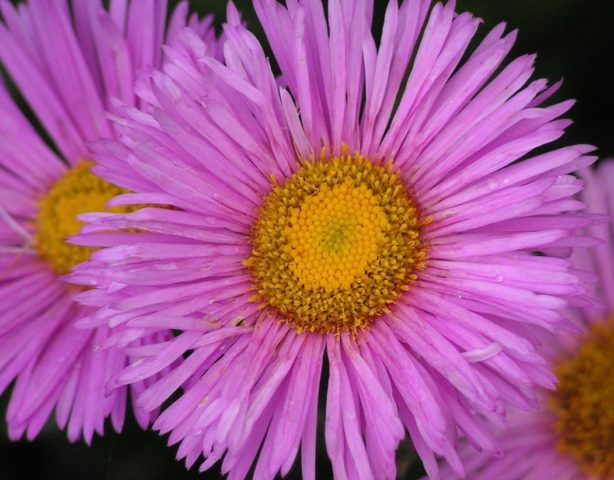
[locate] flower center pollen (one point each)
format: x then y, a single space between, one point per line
584 403
335 244
77 191
334 236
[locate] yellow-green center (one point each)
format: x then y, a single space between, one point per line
335 244
77 191
583 403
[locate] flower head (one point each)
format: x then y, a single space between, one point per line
68 65
367 205
572 435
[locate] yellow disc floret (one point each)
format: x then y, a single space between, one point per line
77 191
583 403
334 236
335 244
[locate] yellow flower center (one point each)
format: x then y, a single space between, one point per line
77 191
336 244
584 403
335 235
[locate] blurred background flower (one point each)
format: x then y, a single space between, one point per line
572 436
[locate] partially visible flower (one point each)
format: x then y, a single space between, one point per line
572 436
367 205
68 61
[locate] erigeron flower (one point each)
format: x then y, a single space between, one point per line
571 436
68 62
366 206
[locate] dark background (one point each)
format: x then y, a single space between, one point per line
573 39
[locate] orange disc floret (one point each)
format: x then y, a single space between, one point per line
335 244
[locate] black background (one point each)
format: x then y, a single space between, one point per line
573 39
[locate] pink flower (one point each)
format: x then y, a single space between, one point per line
344 209
571 437
68 68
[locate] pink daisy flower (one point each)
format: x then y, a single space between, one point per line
68 65
572 436
367 207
